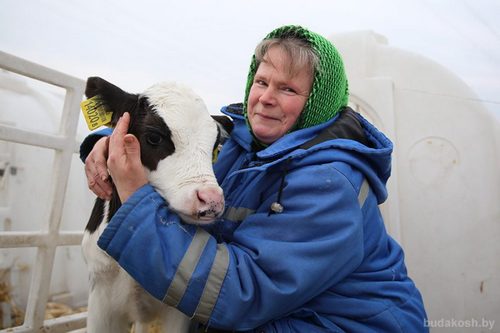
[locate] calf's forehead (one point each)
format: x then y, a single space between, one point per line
183 111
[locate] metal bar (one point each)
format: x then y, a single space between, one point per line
18 329
62 324
37 72
39 289
10 133
66 323
45 256
16 239
68 238
49 237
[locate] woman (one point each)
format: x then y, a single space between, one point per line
302 245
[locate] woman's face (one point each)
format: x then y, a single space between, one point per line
276 98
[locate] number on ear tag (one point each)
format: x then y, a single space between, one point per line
95 113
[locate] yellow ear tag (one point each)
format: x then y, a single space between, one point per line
95 113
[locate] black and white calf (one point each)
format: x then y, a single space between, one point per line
177 137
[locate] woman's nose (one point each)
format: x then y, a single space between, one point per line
268 96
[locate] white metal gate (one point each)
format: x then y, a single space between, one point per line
49 237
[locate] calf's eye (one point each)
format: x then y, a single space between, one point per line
154 139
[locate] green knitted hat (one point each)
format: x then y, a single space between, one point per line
329 93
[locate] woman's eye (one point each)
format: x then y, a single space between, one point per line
154 139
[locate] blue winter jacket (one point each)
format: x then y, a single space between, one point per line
302 245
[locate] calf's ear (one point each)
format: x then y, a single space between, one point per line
225 125
115 99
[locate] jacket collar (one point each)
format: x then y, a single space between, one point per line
345 125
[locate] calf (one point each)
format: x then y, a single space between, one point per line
177 138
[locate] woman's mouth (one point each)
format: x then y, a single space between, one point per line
267 117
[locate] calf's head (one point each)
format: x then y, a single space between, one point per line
177 137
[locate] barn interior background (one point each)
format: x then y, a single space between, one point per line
427 72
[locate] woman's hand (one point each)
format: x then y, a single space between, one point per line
124 160
96 170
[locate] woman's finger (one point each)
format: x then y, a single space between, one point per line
116 141
96 170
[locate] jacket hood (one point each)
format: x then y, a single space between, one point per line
348 138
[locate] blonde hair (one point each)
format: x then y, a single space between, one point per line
300 52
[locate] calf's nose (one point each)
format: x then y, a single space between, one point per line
210 202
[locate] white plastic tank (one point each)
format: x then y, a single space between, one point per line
444 193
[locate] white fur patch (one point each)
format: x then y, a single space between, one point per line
194 133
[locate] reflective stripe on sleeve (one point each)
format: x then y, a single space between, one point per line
363 192
186 268
237 214
214 283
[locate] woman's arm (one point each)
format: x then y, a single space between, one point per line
273 265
